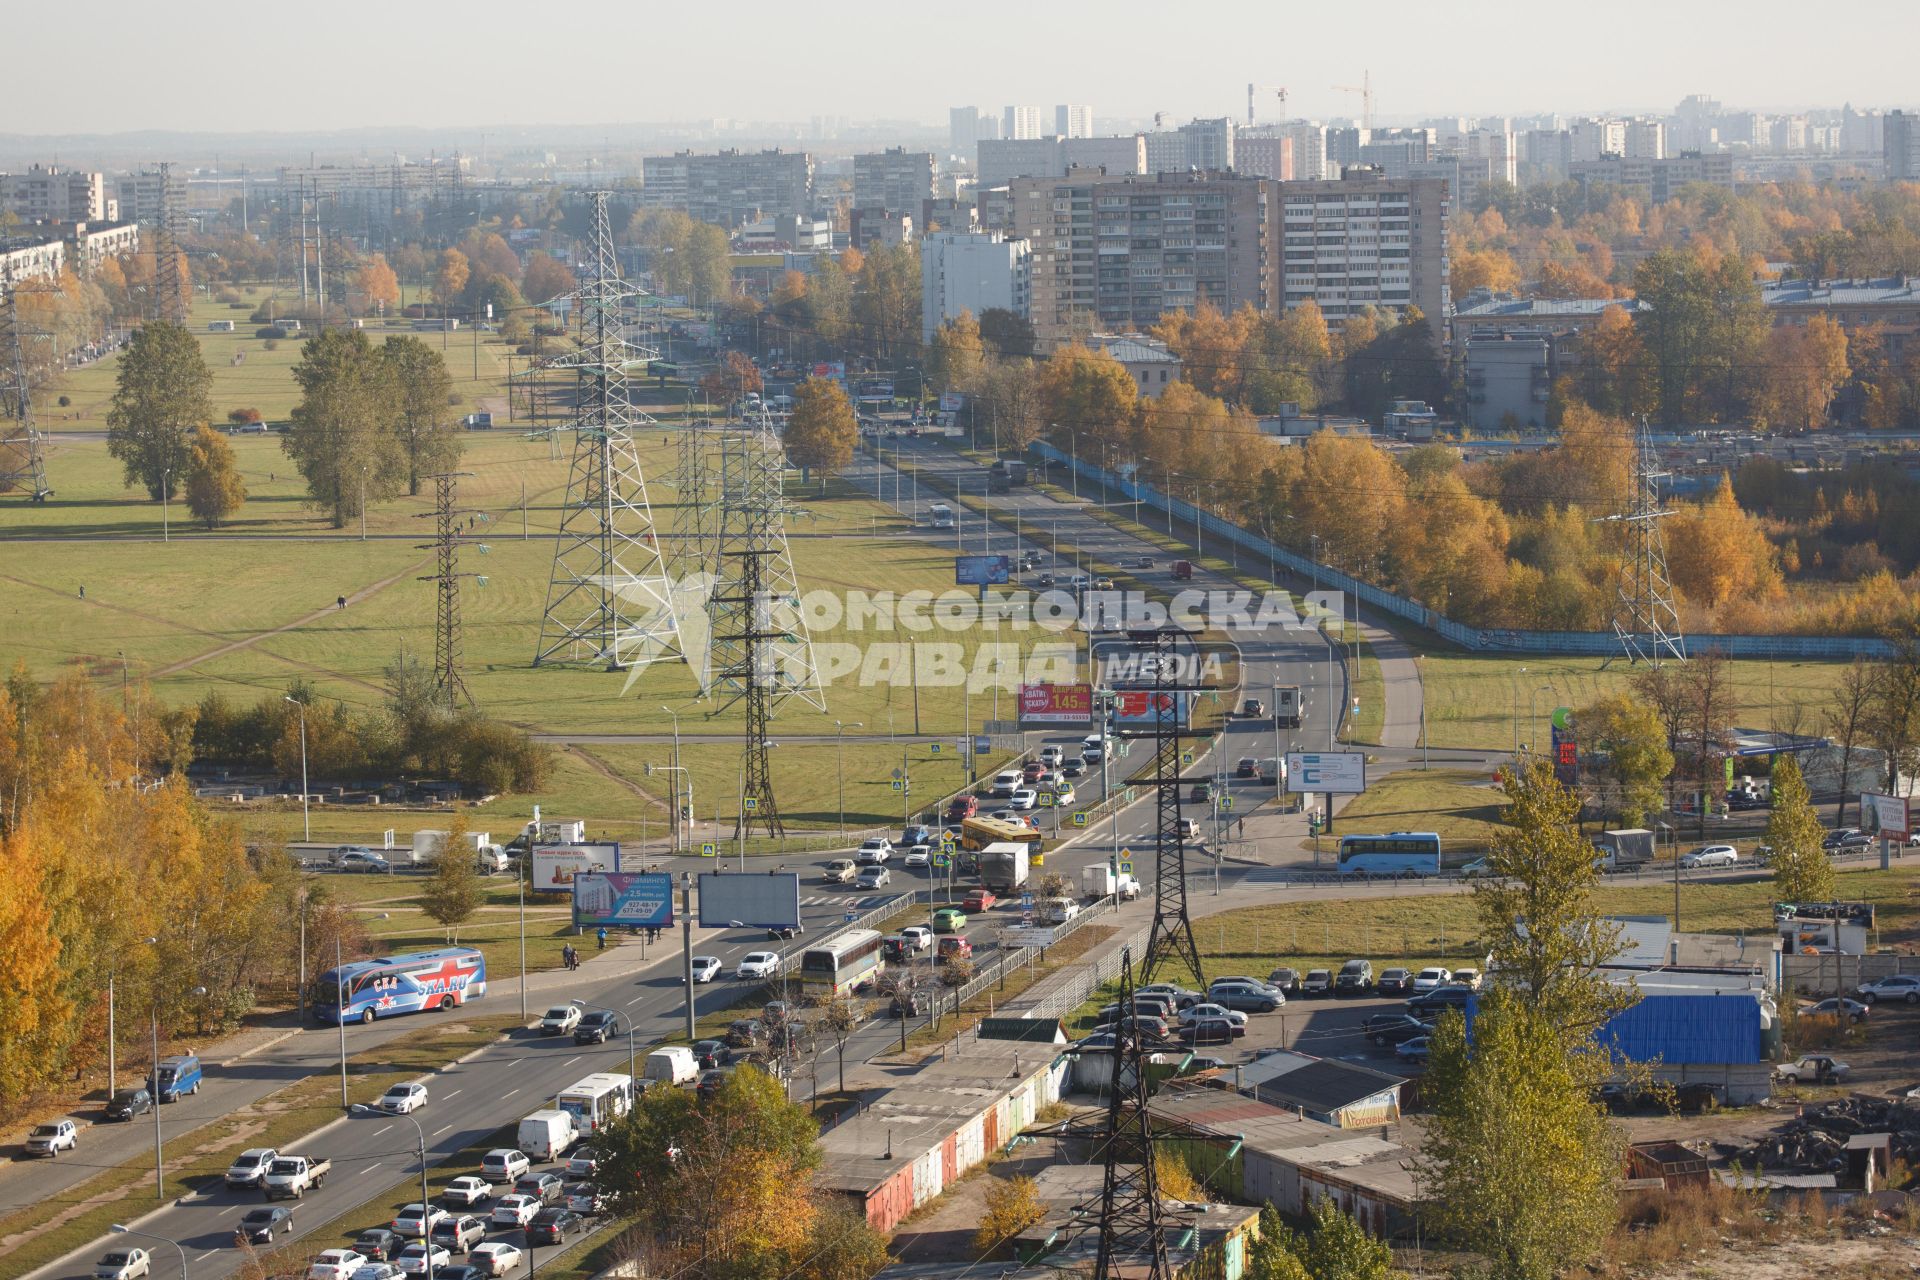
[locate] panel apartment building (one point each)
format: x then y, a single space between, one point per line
1112 252
1366 241
895 179
732 188
55 195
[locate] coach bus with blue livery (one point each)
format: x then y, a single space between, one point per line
410 983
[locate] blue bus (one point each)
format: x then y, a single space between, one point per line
1398 853
411 983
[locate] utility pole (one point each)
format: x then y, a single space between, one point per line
23 465
1166 698
1644 614
449 686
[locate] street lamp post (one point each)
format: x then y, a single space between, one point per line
631 1073
305 820
521 876
1533 707
674 844
159 1164
1514 692
686 944
840 767
426 1236
119 1229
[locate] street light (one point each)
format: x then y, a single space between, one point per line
159 1166
1514 689
123 1230
631 1073
674 845
305 820
840 766
426 1233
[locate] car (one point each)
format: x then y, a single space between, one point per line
1245 980
1418 1049
459 1271
420 1256
468 1191
544 1187
1393 1028
503 1165
1005 783
711 1053
920 855
978 900
744 1033
514 1211
1318 982
757 965
1287 980
1059 910
1103 583
839 871
1201 793
1249 999
1711 855
1099 1041
1475 869
918 833
379 1244
1182 997
403 1099
1247 767
415 1220
1839 1007
1063 793
1468 978
584 1198
128 1103
1839 838
954 947
1033 770
710 1081
874 878
962 807
1052 754
1896 986
1253 708
560 1020
553 1226
51 1139
949 920
1073 769
1189 829
1813 1068
1044 580
363 861
706 968
261 1225
1354 979
1023 799
459 1234
585 1161
496 1258
1431 977
123 1264
919 935
874 852
595 1027
1209 1031
1439 1000
1210 1010
1395 982
1137 562
1149 1025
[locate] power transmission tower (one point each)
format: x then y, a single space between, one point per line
22 461
1162 706
752 672
169 261
449 685
609 600
1644 616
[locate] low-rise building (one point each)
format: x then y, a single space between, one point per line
1654 180
1509 377
30 257
1342 1094
1890 305
1482 313
1148 361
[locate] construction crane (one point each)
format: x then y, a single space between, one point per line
1254 89
1365 90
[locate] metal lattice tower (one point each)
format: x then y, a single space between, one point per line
752 671
22 460
169 260
1644 616
449 685
1170 939
610 599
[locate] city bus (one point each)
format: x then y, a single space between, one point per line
849 962
597 1101
1398 853
979 832
410 983
941 515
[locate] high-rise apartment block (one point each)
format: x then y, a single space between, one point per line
732 188
966 126
1309 149
1070 121
1646 140
1003 160
1264 151
1902 146
895 179
1022 122
1592 138
1204 145
1366 240
54 195
973 272
143 195
1655 181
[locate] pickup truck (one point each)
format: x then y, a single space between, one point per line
1812 1068
294 1175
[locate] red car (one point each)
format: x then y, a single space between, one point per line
952 946
978 900
1034 771
963 806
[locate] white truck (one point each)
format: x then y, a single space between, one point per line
292 1176
250 1166
489 856
1100 880
546 1134
671 1065
1004 866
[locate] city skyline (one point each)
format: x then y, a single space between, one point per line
482 80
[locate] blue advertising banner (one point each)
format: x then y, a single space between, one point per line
642 899
982 571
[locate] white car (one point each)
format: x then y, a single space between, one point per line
1468 978
706 968
560 1020
335 1264
52 1139
403 1098
495 1257
874 852
1024 798
413 1259
503 1164
1006 783
1431 978
758 964
1898 986
1212 1012
468 1191
123 1264
1711 855
1059 910
919 935
920 856
514 1210
416 1219
1063 792
583 1163
1052 754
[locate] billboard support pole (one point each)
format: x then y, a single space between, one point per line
686 943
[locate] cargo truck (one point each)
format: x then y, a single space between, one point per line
1625 849
1101 880
1004 867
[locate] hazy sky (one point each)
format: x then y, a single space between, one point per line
298 67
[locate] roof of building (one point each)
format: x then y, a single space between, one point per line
1359 1156
1902 290
1314 1084
1683 1030
1533 308
1028 1030
1134 348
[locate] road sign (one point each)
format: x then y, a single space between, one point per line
942 861
982 744
896 784
896 774
853 913
935 746
1186 757
708 849
753 803
947 840
1079 817
1126 866
1226 803
1046 799
1026 900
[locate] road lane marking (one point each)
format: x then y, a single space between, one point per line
509 1093
370 1168
449 1094
442 1129
570 1061
208 1254
382 1129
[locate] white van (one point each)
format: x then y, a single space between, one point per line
673 1064
546 1135
1006 783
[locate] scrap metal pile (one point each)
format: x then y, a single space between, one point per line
1816 1140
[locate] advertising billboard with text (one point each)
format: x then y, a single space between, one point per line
1056 703
1146 709
555 865
1339 773
642 900
982 571
1884 816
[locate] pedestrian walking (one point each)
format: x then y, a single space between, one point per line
601 935
83 592
339 602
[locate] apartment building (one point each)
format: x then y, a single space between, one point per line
731 188
1003 160
1206 145
1264 151
1646 140
53 194
1901 134
1367 240
91 243
1111 253
1890 306
30 257
895 179
1070 121
966 126
1022 122
142 196
1655 180
973 272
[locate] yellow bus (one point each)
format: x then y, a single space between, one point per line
977 833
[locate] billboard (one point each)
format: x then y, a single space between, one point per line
1151 709
1339 773
982 571
1056 704
1884 816
732 900
555 865
643 900
952 402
